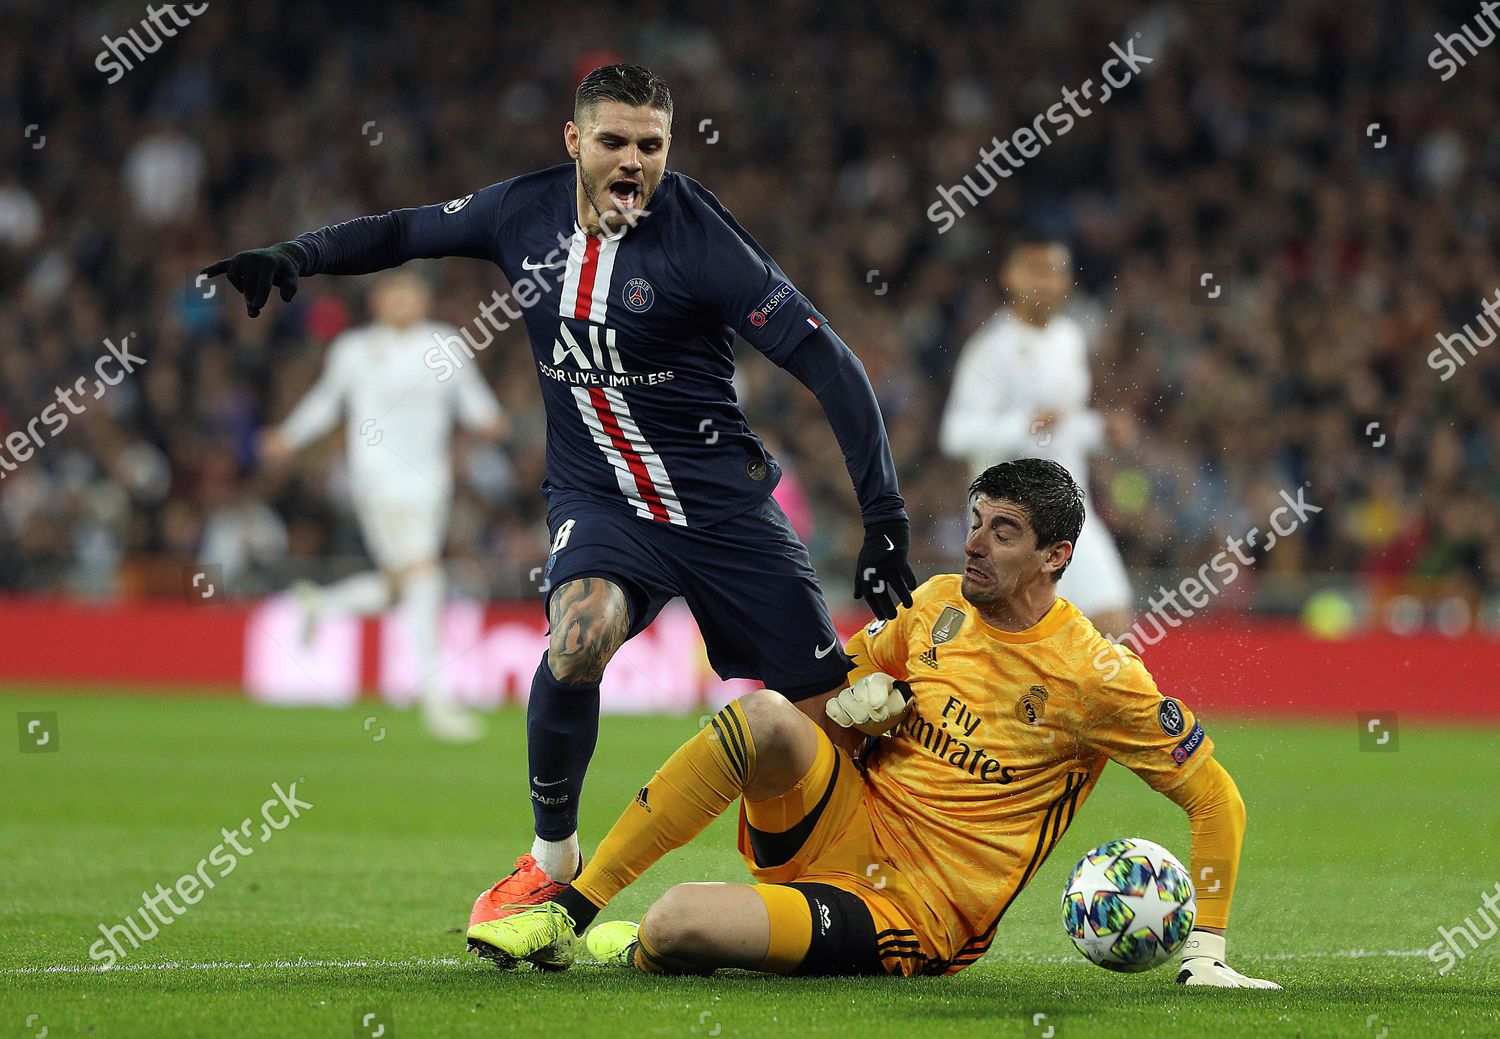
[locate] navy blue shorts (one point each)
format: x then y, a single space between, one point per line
747 579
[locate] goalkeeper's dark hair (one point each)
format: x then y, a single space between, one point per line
628 84
1051 499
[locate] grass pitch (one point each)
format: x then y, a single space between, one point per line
349 918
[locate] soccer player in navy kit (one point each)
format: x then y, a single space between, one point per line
656 486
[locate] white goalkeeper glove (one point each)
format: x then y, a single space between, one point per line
873 705
1203 964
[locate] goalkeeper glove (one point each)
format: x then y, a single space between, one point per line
873 705
254 271
882 577
1203 964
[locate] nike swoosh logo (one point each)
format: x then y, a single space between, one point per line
824 651
527 265
890 546
537 782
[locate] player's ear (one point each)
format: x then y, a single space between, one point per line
571 134
1058 556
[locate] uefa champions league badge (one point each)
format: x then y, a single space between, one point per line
638 295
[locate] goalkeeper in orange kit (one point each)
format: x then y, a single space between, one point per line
993 725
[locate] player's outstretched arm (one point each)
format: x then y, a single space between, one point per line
1217 815
463 227
883 577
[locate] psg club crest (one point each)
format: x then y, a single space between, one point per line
639 295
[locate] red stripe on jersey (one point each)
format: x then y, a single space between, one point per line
583 302
632 458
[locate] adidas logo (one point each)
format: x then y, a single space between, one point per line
640 798
930 658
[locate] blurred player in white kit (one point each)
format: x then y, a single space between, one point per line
1021 388
398 427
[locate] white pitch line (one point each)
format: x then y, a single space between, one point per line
1324 954
99 968
1340 954
454 961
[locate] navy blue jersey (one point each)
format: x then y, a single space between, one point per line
632 336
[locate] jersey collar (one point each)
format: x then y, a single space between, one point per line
1053 619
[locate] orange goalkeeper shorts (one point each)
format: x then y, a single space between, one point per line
836 905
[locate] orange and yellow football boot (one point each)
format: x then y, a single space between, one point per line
527 886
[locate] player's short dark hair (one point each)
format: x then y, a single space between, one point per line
1030 235
1050 497
628 84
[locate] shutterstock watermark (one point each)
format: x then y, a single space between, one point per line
1199 589
1446 53
1447 354
1448 949
1023 144
21 444
115 64
452 352
190 887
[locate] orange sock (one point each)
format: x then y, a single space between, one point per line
706 775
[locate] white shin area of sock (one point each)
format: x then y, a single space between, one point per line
560 860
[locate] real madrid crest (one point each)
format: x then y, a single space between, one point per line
1031 705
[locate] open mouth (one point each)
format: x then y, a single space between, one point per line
976 573
626 193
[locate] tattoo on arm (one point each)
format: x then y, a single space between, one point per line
589 622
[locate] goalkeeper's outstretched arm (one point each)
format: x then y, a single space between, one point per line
1217 814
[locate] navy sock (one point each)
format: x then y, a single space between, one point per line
562 726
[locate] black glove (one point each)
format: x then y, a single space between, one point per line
254 271
883 577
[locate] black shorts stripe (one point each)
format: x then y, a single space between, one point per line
777 849
730 750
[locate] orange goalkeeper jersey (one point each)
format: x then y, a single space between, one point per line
1007 735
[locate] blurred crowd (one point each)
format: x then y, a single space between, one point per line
1343 200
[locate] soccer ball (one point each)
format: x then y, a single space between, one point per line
1129 905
